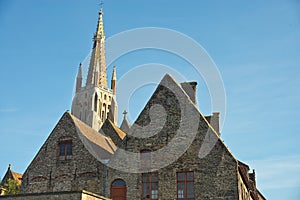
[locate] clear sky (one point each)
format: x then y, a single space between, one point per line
255 45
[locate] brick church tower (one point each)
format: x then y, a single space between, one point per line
94 102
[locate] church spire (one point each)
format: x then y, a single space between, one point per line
97 68
95 102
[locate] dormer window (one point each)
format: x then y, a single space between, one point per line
65 149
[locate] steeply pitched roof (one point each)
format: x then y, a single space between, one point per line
125 125
100 146
111 130
17 177
12 175
118 130
169 116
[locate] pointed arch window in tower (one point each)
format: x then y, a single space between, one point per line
95 102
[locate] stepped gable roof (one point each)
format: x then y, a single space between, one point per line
100 146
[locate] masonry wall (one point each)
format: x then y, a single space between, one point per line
215 175
48 173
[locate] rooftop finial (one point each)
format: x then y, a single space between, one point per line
125 113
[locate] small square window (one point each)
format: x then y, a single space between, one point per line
65 149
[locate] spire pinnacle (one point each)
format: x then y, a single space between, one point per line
114 81
79 74
79 79
114 75
100 28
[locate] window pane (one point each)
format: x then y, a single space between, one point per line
189 176
180 176
146 155
154 177
154 194
146 177
119 182
180 190
190 189
61 149
146 190
154 186
69 149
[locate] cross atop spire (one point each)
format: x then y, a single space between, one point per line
125 113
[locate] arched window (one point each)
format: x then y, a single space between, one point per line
95 102
118 190
103 112
105 97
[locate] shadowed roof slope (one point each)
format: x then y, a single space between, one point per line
100 146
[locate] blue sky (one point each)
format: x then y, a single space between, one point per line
255 45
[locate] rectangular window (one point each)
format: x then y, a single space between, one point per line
185 186
65 149
150 186
145 159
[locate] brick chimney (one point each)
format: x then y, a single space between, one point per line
190 89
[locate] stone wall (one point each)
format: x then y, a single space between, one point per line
215 175
48 173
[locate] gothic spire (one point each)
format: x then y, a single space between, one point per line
97 67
